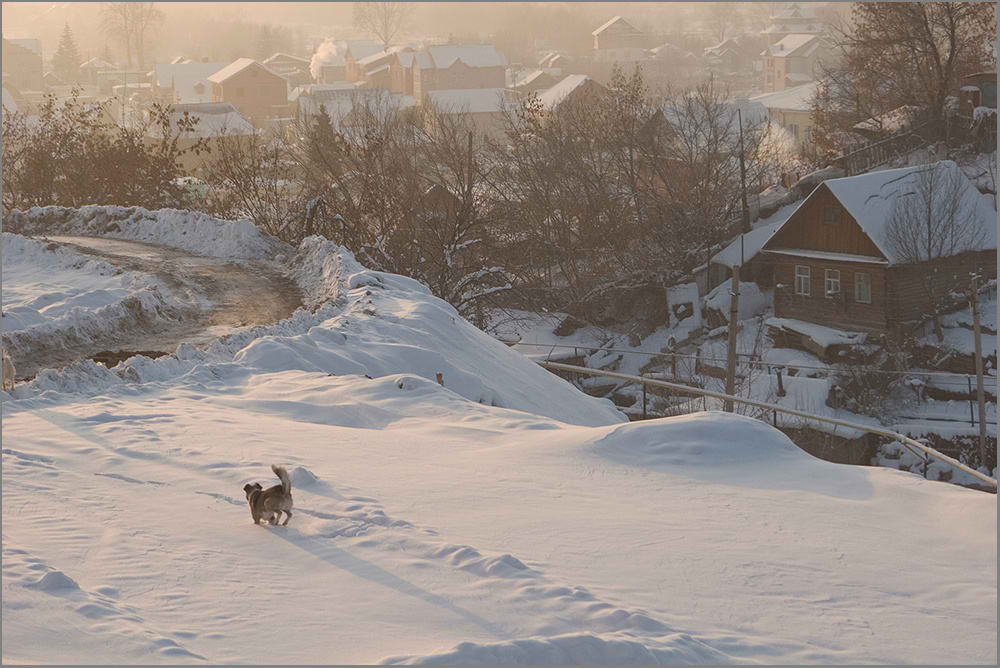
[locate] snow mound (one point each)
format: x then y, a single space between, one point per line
188 230
700 441
752 301
372 324
55 581
571 649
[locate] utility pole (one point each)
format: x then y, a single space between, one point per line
974 299
734 311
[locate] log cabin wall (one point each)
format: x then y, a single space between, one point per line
841 311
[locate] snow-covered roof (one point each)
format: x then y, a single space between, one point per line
184 77
611 22
215 119
379 55
552 97
890 121
824 255
796 13
29 43
870 198
752 242
798 98
790 45
359 48
280 57
528 78
471 100
376 70
232 69
473 55
97 64
9 105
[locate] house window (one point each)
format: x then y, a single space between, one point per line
802 280
794 129
863 288
831 282
831 215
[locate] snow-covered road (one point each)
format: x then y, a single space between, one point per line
211 296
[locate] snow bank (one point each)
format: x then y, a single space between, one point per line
54 298
187 230
581 649
369 323
752 301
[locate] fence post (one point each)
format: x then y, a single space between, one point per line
977 337
972 412
644 401
734 326
440 379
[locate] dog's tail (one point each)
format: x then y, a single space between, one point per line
286 482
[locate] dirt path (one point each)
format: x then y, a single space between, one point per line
229 296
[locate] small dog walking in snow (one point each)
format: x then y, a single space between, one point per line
268 504
8 372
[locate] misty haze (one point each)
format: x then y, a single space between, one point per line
533 333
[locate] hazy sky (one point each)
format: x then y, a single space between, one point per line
45 20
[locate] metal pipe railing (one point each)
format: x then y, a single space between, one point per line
677 387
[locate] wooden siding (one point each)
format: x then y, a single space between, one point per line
842 311
806 230
911 298
257 92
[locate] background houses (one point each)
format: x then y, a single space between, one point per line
257 92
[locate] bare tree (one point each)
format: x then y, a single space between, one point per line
934 217
383 20
894 54
723 19
145 15
129 23
117 20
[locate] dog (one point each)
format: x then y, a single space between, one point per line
8 371
268 504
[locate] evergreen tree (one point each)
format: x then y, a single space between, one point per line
66 62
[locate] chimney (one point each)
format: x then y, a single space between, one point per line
781 47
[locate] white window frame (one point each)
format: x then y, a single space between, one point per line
803 287
858 280
830 282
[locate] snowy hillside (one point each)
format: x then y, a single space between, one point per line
504 517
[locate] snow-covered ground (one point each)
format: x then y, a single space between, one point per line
187 230
51 285
54 298
503 517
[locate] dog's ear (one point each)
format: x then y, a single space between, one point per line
257 485
247 488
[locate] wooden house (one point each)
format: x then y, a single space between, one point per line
534 82
834 263
22 64
618 41
257 92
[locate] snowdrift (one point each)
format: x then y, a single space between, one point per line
188 230
368 323
54 298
